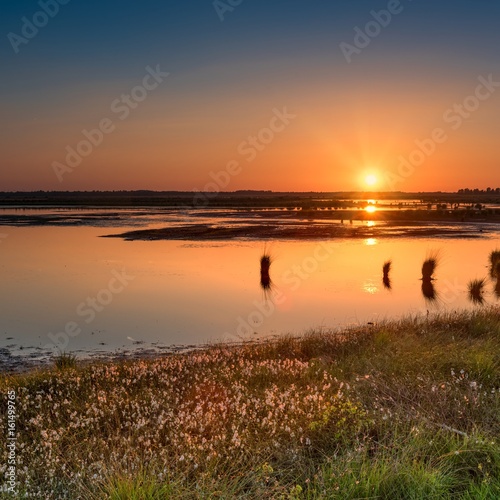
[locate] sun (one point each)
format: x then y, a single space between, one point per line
371 180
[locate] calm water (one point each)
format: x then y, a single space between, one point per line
66 288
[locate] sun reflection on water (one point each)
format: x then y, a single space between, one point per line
370 287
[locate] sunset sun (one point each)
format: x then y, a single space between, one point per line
371 180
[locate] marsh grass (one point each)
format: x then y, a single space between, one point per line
430 265
428 270
265 277
495 263
476 290
65 361
403 409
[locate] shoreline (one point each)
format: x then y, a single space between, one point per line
13 364
264 224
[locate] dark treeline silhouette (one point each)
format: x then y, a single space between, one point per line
249 198
177 199
479 191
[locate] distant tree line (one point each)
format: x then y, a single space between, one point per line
480 191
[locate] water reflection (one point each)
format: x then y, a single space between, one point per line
189 292
386 280
370 287
428 290
428 269
476 291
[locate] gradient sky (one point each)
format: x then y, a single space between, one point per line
227 78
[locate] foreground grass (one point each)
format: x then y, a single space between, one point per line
408 409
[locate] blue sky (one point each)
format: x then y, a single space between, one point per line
227 76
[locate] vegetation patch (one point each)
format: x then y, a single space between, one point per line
404 409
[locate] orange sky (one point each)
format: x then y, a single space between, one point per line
349 119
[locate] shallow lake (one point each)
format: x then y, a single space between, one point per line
66 288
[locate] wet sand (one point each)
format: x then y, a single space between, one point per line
255 224
13 364
295 230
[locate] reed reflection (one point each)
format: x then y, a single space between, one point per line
386 280
476 291
265 278
428 269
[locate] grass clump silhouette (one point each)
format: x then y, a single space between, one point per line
476 291
497 284
495 263
265 278
428 269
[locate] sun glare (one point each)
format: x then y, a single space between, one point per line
371 209
371 180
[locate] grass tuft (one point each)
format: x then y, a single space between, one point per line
430 265
265 278
494 263
64 361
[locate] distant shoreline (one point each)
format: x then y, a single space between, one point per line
236 199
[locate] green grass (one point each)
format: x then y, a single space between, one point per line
64 361
406 409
